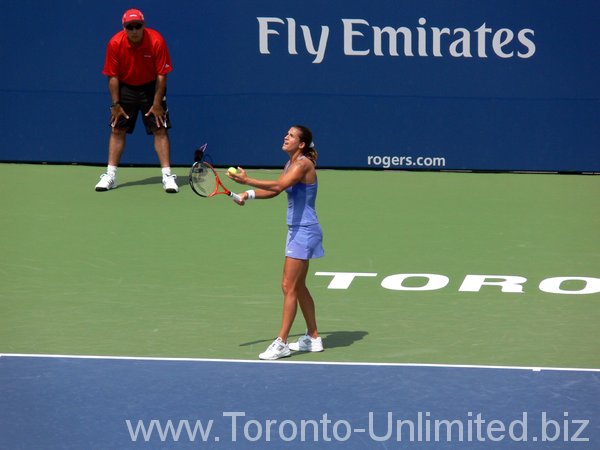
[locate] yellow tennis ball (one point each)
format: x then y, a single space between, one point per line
232 170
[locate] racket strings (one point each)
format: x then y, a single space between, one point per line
202 179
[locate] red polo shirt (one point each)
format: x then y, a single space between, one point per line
137 65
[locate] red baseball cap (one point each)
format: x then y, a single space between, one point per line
133 15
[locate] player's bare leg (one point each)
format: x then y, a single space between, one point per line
295 292
162 145
116 145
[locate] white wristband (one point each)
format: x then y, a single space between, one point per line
251 194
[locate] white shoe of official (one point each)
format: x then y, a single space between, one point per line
278 349
106 182
169 184
307 344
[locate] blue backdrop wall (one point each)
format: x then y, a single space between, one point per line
428 84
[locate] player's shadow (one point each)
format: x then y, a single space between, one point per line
331 339
337 339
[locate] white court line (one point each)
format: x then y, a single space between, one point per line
284 361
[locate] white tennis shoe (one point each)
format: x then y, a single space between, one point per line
278 349
106 182
307 344
169 184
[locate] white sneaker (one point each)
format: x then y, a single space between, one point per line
169 184
278 349
307 344
106 182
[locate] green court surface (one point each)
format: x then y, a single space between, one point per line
138 272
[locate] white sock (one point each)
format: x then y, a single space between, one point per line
166 171
112 171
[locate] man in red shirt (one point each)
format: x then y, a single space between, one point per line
137 63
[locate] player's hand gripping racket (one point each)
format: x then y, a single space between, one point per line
205 182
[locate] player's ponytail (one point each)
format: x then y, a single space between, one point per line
309 146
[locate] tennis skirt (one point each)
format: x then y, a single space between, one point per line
304 242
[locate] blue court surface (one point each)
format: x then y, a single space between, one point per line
64 402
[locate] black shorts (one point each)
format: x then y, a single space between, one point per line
134 99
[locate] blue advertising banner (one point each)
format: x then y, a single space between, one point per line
507 85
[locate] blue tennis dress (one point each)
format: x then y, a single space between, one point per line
305 237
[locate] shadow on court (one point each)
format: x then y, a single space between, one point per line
145 181
331 339
337 339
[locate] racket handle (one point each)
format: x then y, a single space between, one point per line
235 197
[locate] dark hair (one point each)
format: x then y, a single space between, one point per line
306 136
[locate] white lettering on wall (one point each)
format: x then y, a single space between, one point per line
360 39
267 26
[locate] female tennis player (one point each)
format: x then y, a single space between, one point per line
304 239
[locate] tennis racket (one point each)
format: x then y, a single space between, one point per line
205 181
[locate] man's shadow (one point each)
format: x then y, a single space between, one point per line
145 181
